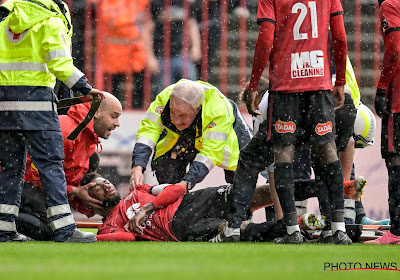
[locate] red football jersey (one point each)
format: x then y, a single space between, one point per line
300 57
390 22
157 226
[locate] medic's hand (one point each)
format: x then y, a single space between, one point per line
82 193
338 95
92 93
139 218
380 99
252 101
137 177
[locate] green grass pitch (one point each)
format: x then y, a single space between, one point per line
156 260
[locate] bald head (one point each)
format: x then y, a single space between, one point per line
106 118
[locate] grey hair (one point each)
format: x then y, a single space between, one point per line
190 92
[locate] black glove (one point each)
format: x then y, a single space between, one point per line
380 107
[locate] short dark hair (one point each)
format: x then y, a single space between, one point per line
89 177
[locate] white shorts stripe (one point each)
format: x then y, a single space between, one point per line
58 210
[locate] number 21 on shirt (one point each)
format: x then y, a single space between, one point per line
302 8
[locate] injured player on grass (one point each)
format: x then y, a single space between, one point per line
169 213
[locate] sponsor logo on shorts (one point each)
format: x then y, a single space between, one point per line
159 109
307 64
323 128
285 127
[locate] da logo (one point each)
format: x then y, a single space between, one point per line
323 128
211 125
159 109
285 127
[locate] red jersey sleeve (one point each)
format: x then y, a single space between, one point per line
266 11
118 236
336 7
339 44
390 23
168 196
262 52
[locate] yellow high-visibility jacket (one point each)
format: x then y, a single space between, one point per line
216 142
35 49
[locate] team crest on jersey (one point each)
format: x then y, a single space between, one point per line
285 127
132 210
385 25
323 128
307 64
211 125
15 37
159 109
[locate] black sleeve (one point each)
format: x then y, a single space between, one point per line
141 155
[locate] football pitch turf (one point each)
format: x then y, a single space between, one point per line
162 260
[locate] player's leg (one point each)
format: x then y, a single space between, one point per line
390 150
326 158
46 151
200 214
264 232
32 220
254 157
12 164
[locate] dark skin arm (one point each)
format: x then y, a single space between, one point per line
138 219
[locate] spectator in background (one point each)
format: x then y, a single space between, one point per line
214 27
177 64
125 41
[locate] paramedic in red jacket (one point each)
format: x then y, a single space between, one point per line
77 154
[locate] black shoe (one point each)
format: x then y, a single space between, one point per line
294 238
325 237
341 238
227 234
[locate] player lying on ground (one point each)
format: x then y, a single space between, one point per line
169 213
